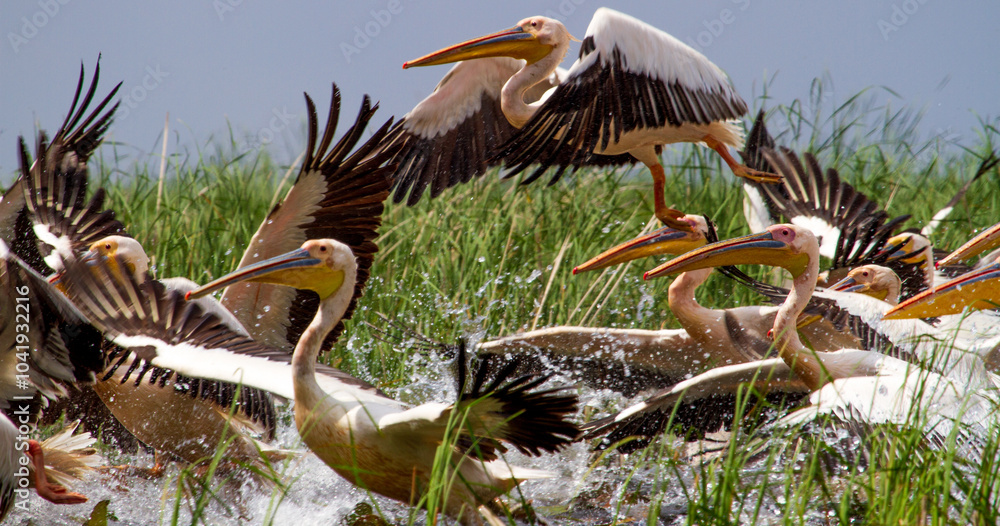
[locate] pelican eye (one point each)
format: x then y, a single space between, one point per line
107 246
865 273
322 248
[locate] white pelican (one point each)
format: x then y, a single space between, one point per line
339 192
373 441
633 89
796 249
708 337
47 346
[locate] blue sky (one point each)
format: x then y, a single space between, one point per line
243 64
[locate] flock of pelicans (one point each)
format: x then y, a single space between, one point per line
180 369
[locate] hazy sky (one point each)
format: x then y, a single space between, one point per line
245 64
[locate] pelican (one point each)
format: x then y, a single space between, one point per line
876 281
54 192
795 249
64 350
633 89
373 441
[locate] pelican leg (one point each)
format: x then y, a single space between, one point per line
54 493
738 169
668 216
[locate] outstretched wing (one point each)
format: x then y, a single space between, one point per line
54 186
338 195
42 330
458 131
629 76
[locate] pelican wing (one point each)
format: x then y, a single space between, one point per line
760 213
630 76
338 194
164 337
54 186
457 132
494 407
854 313
850 227
42 330
700 404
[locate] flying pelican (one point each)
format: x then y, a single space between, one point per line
338 192
54 190
795 249
708 338
373 441
633 89
64 350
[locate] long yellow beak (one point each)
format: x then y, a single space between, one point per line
759 249
979 289
986 240
514 42
666 240
296 269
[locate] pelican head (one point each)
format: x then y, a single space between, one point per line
786 246
986 240
321 265
872 280
127 249
979 289
687 233
531 40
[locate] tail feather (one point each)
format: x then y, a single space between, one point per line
533 421
70 456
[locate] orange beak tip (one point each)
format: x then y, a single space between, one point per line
406 65
187 296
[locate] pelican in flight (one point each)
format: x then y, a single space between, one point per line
796 249
633 89
373 441
43 332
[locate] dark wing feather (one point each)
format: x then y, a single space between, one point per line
54 186
41 328
338 194
807 191
606 94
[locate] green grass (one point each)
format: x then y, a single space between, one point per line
492 258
